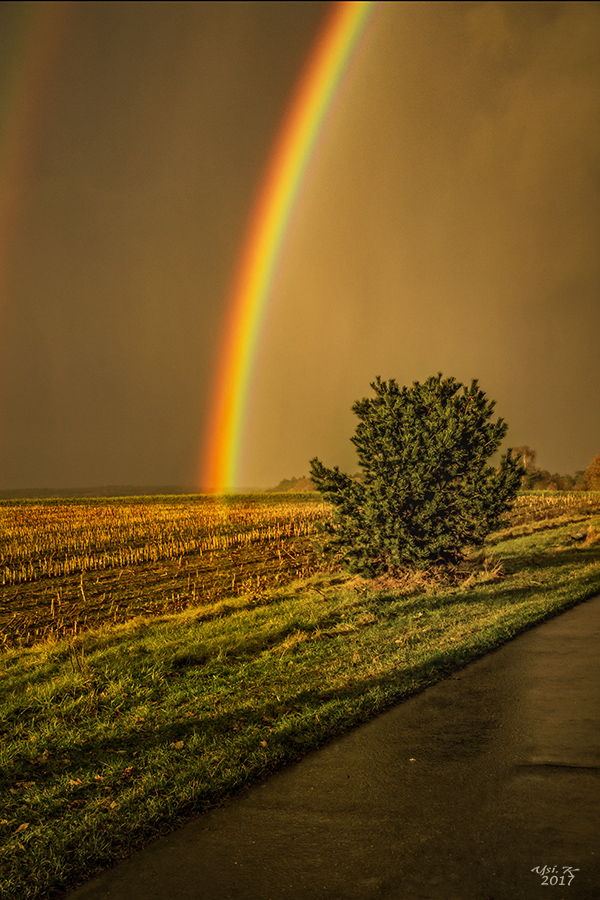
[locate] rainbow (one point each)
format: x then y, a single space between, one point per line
318 86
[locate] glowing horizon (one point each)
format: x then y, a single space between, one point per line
318 86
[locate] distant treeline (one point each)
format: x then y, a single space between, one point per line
534 479
542 480
293 485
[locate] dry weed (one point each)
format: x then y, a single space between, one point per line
483 571
404 583
473 570
592 537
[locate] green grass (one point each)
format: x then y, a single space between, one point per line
122 733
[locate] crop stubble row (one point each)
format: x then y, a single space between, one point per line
69 566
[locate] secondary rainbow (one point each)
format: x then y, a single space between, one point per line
35 36
317 88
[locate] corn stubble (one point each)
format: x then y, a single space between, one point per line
67 567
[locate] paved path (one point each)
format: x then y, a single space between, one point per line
455 794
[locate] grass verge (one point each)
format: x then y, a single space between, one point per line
123 733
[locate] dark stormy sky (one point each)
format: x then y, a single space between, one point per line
450 222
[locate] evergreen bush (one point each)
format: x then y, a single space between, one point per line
427 491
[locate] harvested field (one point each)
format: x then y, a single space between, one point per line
71 565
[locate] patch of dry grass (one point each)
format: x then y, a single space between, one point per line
592 537
474 569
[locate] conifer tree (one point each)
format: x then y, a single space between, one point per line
427 491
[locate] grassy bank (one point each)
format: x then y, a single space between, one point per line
118 734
